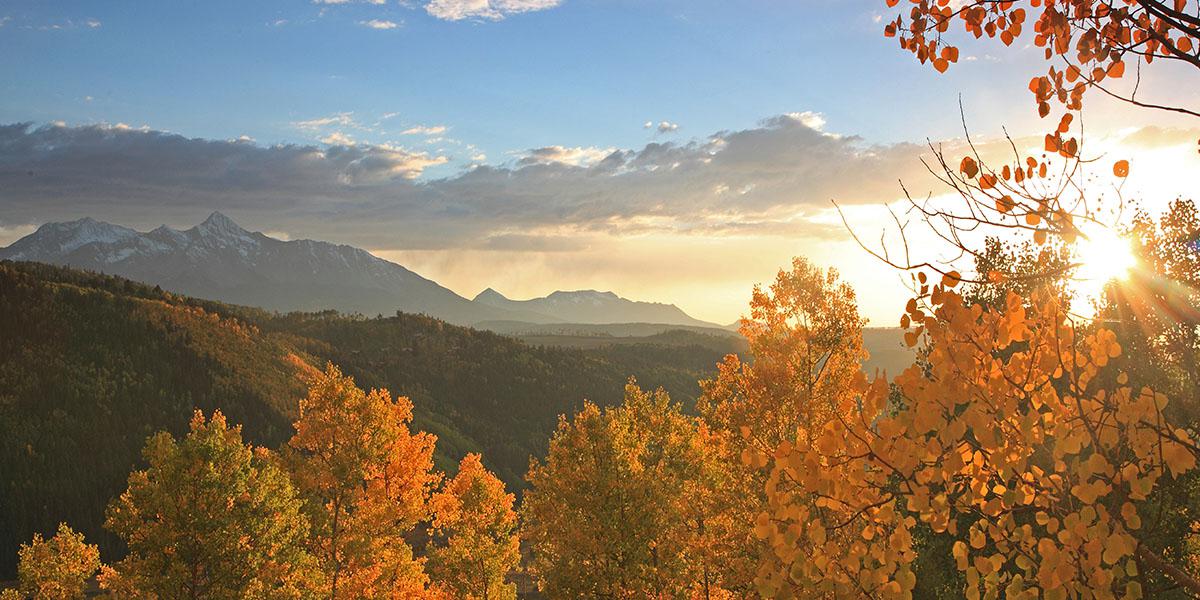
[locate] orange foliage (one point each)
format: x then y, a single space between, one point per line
1091 41
1019 425
477 527
367 479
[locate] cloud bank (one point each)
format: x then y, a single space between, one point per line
775 179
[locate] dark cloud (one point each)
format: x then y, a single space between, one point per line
757 180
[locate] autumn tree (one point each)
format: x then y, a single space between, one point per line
210 517
475 530
610 513
1020 424
366 479
805 340
57 568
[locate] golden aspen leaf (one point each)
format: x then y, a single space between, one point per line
1121 168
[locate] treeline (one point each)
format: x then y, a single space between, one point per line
91 365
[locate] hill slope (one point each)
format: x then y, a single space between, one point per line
91 364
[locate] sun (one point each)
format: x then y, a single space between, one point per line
1103 256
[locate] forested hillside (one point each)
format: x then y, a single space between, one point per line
91 365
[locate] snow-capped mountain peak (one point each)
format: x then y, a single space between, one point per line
219 259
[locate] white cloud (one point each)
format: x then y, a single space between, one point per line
343 119
491 10
379 24
338 138
423 130
93 23
4 20
667 127
648 124
812 120
278 23
576 157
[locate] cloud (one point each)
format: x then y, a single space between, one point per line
344 119
337 138
423 130
93 23
809 119
4 21
667 127
379 24
765 180
490 10
578 156
775 179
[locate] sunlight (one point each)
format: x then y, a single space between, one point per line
1104 256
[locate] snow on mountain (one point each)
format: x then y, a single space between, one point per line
220 260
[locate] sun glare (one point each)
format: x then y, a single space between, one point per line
1104 256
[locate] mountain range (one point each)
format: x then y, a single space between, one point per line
218 259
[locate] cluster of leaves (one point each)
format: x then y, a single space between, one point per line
1087 43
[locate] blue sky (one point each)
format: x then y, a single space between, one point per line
668 150
585 73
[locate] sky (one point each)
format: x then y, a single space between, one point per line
674 151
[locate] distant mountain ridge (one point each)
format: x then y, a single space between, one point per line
592 307
219 259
